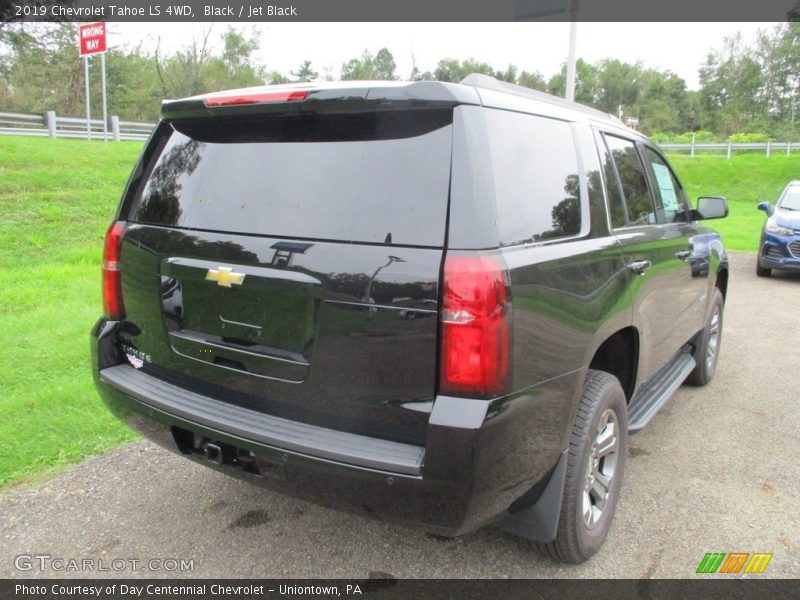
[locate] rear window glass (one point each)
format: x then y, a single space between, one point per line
535 168
369 177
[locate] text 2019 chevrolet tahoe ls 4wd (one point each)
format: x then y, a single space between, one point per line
445 304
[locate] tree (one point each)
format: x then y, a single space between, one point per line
659 98
380 66
275 78
195 69
180 73
304 73
745 88
662 103
237 58
453 70
384 65
731 84
509 75
133 87
566 214
39 70
8 13
616 84
585 82
534 80
778 53
160 203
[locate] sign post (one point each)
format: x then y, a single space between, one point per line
88 104
92 40
533 10
105 107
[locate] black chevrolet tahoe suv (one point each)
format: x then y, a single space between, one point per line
444 304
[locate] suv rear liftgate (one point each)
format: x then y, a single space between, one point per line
231 285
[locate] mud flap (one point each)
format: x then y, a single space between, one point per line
539 522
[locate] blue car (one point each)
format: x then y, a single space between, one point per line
780 236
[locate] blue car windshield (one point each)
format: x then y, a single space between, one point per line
791 200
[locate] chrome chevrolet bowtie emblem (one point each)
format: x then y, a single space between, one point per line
225 276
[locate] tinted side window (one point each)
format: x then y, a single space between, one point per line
619 213
637 201
670 192
535 167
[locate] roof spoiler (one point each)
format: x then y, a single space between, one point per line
342 97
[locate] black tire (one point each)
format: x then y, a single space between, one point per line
707 352
579 536
762 271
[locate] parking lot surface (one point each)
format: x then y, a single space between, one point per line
715 471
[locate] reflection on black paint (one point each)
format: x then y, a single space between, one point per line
172 302
567 213
368 291
185 244
632 179
352 287
160 201
285 251
619 216
597 201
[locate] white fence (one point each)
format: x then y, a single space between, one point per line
728 148
51 125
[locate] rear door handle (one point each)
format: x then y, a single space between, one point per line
683 254
639 266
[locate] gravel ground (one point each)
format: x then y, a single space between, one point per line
716 470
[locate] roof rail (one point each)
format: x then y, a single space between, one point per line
488 82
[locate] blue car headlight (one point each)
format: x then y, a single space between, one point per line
775 229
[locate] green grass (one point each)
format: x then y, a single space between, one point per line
744 180
56 199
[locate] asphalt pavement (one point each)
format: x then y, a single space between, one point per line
715 471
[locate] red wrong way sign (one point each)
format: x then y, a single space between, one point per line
92 37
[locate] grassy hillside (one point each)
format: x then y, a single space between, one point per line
744 180
56 199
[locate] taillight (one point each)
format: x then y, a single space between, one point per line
475 318
113 306
256 98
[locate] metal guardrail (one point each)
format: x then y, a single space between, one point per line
50 124
728 148
53 125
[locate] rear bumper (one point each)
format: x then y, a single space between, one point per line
466 476
263 429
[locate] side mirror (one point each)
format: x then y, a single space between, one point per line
712 207
766 207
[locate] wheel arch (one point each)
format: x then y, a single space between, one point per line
618 355
721 281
